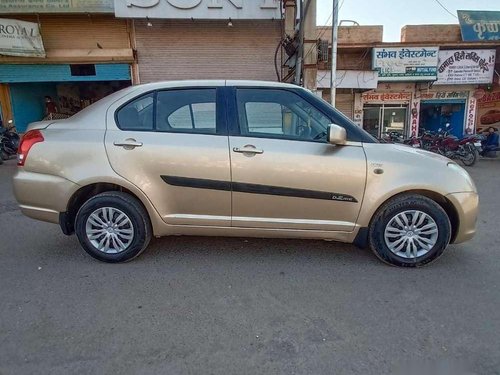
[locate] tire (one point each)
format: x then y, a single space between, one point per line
471 156
385 223
4 155
127 239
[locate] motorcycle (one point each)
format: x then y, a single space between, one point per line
9 141
450 146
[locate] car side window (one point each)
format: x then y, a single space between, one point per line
279 114
137 114
186 111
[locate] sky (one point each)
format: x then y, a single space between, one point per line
394 14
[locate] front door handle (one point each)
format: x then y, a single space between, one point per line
248 149
128 143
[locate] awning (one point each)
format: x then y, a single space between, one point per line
349 79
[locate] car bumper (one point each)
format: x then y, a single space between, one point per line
42 196
467 207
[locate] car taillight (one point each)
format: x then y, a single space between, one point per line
28 140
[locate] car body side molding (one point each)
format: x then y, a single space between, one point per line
241 187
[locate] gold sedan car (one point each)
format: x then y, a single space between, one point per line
237 158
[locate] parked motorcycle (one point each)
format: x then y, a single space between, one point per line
444 143
9 141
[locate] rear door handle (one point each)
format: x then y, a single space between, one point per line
128 143
248 150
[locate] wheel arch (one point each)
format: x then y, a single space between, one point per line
440 199
84 193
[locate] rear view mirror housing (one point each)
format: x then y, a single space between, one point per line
337 135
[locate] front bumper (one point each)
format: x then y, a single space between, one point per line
467 207
42 196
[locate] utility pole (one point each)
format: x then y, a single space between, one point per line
335 32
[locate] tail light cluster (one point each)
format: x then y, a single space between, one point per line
27 141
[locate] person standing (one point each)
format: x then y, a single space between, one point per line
50 107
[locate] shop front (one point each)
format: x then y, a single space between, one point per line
452 100
386 109
70 87
204 39
441 110
55 65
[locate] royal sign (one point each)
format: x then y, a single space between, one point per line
20 38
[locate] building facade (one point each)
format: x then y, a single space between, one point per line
430 80
86 52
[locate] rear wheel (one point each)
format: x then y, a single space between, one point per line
409 231
113 227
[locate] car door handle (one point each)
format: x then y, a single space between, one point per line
128 143
248 150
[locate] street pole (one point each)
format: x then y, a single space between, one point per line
335 29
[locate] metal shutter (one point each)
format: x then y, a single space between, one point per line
345 103
89 35
173 49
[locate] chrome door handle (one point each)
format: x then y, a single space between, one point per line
248 150
128 143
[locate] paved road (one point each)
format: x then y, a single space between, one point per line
246 306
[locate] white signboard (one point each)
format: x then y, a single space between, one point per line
463 67
406 63
20 38
199 9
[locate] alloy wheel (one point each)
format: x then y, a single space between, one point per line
109 230
411 234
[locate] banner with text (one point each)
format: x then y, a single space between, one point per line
477 26
463 67
20 38
489 110
406 64
199 9
56 6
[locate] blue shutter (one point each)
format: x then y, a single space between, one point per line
18 73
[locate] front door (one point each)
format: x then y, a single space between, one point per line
284 173
173 145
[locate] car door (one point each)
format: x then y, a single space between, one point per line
284 173
171 144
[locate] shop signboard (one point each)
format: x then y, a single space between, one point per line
463 67
478 26
20 38
198 9
406 63
386 97
438 95
488 110
56 6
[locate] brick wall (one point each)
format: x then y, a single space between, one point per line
430 34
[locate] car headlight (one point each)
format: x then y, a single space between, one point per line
464 174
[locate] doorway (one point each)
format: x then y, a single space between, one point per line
436 115
380 119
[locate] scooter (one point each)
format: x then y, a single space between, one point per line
9 141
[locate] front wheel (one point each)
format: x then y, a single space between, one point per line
469 156
409 231
113 227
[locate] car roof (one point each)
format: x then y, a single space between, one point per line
212 83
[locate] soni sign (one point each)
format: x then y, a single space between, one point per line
198 9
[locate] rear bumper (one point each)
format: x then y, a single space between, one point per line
467 207
42 196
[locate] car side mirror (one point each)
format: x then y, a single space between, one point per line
336 135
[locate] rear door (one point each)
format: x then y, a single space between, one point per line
172 144
284 173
